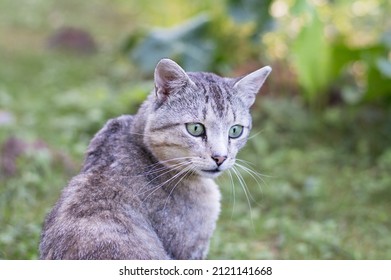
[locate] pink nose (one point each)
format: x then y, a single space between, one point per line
219 159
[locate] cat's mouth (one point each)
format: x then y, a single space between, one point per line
212 170
211 173
216 170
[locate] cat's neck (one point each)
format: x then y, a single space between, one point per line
138 127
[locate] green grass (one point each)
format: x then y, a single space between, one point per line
327 192
326 189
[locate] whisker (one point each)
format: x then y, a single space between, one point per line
158 170
187 171
161 162
162 167
246 192
233 193
257 177
166 171
155 188
250 165
255 134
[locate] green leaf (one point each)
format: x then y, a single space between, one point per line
384 66
312 59
244 11
342 55
188 44
248 10
378 84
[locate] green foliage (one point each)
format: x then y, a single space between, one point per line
330 50
189 44
208 41
315 39
326 189
253 11
312 59
22 203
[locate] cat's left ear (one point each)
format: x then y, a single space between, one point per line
249 85
169 77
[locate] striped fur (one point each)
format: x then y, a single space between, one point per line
146 189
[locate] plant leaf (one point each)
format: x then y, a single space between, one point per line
188 44
311 58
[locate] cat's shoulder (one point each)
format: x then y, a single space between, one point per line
107 141
118 124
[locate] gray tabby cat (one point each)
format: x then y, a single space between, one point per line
146 189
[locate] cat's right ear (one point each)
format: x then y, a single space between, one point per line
169 77
249 85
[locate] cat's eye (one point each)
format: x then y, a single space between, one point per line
235 131
195 129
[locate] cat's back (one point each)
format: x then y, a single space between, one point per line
108 143
98 214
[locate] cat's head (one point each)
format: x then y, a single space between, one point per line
199 121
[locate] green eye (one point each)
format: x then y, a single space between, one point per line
235 131
195 129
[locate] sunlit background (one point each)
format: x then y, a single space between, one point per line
320 151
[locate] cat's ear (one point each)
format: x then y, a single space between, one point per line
169 77
249 85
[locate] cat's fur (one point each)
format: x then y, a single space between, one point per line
146 190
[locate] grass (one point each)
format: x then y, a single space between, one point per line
328 190
325 192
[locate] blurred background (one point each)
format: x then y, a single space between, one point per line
320 150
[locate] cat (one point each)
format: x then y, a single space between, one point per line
146 189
